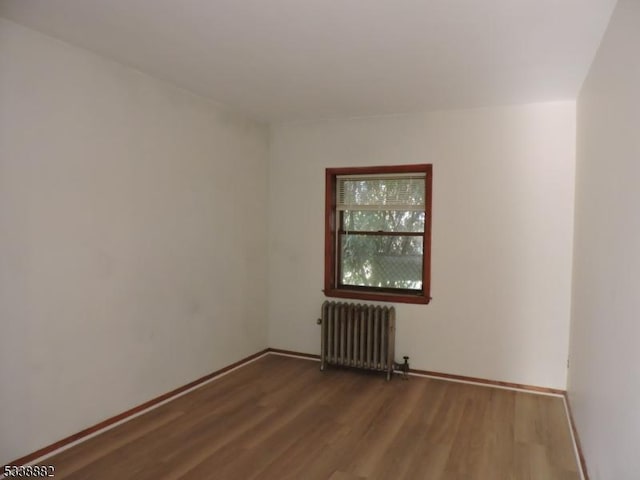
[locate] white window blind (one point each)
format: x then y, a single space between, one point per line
381 192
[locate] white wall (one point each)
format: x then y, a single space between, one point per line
132 239
502 235
604 378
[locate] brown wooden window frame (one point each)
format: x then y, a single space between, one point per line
332 287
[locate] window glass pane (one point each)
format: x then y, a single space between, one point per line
381 261
386 221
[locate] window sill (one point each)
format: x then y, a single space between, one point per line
379 297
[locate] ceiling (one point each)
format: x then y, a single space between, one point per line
304 59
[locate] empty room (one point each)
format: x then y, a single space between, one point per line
320 239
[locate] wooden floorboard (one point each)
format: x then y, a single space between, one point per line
281 418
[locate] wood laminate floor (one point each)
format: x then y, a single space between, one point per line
281 418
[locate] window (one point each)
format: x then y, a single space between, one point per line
378 233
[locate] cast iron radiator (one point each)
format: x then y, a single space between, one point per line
355 335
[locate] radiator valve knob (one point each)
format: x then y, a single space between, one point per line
405 368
